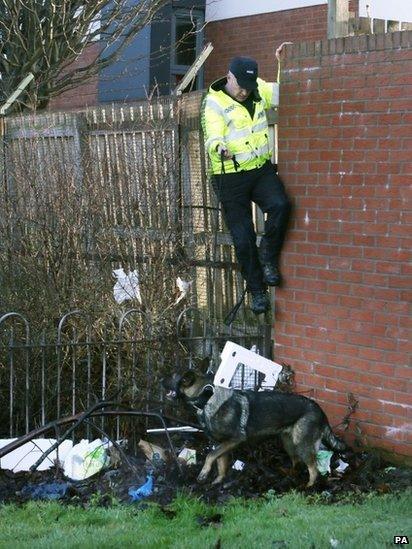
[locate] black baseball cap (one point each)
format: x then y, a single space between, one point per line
245 69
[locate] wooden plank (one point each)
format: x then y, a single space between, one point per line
194 69
20 88
99 128
220 238
33 133
2 153
338 18
379 26
365 25
272 116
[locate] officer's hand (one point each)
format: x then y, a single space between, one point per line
279 50
224 153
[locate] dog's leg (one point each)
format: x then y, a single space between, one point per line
313 473
222 467
305 436
223 448
289 446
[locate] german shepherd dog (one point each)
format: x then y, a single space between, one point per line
230 417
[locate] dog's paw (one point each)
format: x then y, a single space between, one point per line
218 480
202 477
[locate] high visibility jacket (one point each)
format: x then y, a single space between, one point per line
228 123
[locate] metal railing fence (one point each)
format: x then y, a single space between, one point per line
50 375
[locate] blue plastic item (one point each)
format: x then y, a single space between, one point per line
46 490
143 491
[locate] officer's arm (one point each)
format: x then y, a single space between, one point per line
269 92
214 127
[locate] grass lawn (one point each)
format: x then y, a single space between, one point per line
288 521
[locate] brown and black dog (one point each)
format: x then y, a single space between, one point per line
230 417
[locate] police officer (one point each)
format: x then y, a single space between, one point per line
237 141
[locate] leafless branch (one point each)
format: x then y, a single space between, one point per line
46 37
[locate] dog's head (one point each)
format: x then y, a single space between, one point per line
189 386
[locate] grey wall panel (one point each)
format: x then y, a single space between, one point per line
127 78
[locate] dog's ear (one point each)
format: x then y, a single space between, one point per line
188 378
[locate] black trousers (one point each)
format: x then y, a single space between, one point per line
235 192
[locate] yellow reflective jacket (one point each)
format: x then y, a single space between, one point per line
227 122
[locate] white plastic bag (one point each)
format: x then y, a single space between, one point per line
127 286
238 465
24 457
183 287
188 456
86 459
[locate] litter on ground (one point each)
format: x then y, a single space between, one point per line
267 468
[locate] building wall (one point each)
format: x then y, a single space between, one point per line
227 9
144 67
258 36
345 148
87 93
398 10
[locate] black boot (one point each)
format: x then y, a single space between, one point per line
271 274
260 302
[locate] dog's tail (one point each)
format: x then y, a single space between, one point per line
330 440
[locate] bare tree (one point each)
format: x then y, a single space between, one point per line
45 37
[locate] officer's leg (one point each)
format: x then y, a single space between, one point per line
233 191
239 221
270 195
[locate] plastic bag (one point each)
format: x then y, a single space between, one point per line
188 456
238 465
86 459
46 490
342 466
153 452
143 491
323 458
127 286
24 457
184 287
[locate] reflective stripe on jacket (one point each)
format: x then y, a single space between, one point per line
228 123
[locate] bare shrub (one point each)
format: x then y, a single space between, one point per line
76 207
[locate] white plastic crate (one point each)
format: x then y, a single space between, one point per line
235 359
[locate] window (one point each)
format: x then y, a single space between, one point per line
187 43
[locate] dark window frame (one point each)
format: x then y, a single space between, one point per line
180 70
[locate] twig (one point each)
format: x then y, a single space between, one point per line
352 407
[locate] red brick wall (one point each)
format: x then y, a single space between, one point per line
87 93
258 36
345 155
